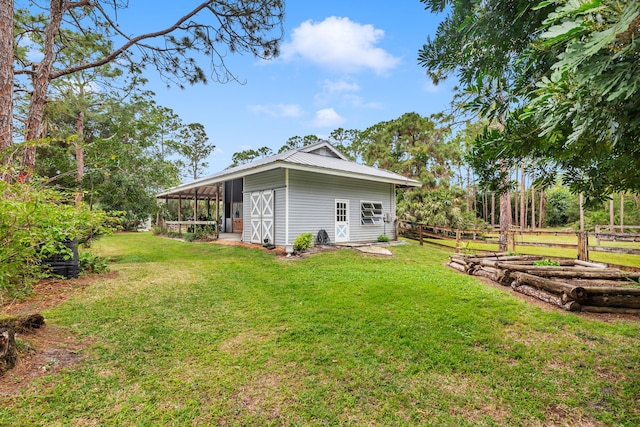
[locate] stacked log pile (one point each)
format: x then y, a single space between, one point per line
573 285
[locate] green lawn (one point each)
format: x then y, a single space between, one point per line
205 334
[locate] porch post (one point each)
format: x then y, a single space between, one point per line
195 212
217 210
230 208
179 213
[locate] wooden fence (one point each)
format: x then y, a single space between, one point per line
516 238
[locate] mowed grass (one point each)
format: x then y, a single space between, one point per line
205 334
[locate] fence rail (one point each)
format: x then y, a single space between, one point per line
424 231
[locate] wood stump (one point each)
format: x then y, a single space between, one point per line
8 354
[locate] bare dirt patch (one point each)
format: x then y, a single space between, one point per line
49 293
47 349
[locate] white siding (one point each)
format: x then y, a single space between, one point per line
270 180
312 204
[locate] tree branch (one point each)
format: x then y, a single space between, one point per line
131 42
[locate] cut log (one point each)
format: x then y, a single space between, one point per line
601 283
547 297
504 277
459 260
615 310
558 288
516 258
591 274
8 354
589 264
603 290
483 272
491 255
624 301
551 270
457 266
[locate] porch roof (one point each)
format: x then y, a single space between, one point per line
299 159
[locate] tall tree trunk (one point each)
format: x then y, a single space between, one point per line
581 199
79 154
41 81
612 216
485 207
468 189
6 85
516 221
505 213
541 210
493 208
622 212
523 211
505 219
533 206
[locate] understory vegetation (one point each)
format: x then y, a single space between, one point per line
34 224
219 335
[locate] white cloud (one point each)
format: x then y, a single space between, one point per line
344 92
356 101
331 90
327 117
339 86
340 44
278 110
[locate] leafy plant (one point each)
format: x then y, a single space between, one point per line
383 238
189 237
546 262
93 264
204 232
34 223
303 242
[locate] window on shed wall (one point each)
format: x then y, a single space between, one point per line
370 213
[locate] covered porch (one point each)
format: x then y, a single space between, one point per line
215 208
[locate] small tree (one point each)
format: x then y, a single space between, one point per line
192 145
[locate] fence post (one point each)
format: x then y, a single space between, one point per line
457 241
511 242
597 235
583 246
420 233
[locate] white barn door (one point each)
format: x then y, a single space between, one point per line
342 221
262 216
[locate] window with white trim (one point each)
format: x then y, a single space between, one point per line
370 213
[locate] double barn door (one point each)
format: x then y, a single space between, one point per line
262 218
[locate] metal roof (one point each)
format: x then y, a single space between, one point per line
332 163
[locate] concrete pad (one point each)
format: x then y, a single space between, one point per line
375 250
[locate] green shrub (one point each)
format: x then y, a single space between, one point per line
303 242
34 221
93 264
204 232
189 237
384 238
158 230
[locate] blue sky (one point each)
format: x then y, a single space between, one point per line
343 64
